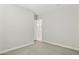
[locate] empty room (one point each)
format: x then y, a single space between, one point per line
39 29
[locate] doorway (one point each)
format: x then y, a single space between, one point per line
38 29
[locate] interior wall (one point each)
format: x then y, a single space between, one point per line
77 7
61 26
16 26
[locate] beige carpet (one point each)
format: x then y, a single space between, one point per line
41 48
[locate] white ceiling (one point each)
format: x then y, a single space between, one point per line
40 9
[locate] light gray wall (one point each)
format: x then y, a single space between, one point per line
61 26
16 26
77 7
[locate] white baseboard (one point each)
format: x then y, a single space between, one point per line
65 46
11 49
